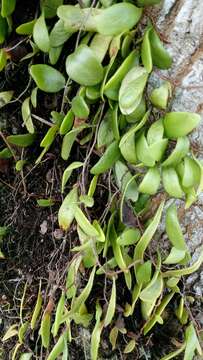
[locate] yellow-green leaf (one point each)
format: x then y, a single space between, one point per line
67 210
68 171
111 306
41 35
26 115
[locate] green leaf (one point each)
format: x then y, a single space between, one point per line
47 78
22 331
26 356
100 44
5 97
130 347
117 18
68 171
87 200
96 334
6 153
7 7
185 271
110 156
150 295
123 177
160 55
20 164
71 281
143 273
151 182
146 52
175 256
49 137
173 228
26 115
177 124
189 172
153 290
127 142
148 2
113 337
200 185
111 306
59 35
191 197
174 354
115 124
22 140
68 141
80 107
58 347
158 149
84 223
81 299
59 313
11 332
148 234
83 67
171 182
26 28
128 237
135 296
45 329
143 151
3 60
155 132
181 149
127 275
67 210
126 44
93 185
105 134
159 96
110 264
49 7
131 191
192 343
117 249
93 92
75 18
54 54
113 20
138 113
111 88
41 35
131 90
3 29
67 123
87 248
180 309
160 309
155 139
45 202
82 318
33 97
37 309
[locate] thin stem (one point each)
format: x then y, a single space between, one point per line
42 120
8 145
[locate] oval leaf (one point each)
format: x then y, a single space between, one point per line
47 78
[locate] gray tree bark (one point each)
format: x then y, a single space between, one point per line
181 23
